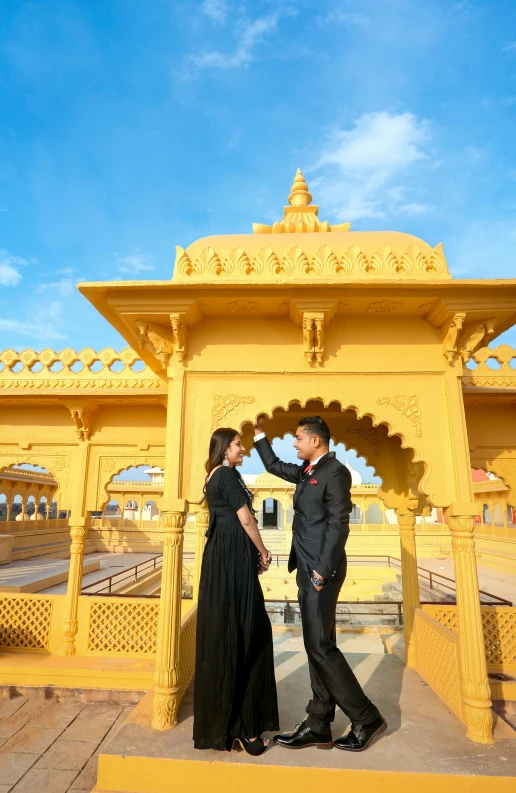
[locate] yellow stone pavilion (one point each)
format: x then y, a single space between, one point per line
367 329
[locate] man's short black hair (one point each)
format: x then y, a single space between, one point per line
315 425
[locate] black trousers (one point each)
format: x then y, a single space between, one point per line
333 682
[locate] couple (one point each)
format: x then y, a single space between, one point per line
235 688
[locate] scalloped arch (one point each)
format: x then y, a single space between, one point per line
30 461
376 421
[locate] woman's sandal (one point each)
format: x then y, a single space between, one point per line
254 748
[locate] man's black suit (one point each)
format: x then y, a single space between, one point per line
322 505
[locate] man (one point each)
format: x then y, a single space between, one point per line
322 505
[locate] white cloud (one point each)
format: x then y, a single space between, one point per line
215 9
40 323
474 152
371 157
509 47
10 274
137 262
62 288
249 33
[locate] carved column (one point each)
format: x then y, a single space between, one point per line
78 535
409 581
475 685
202 520
166 678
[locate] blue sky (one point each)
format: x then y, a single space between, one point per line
129 127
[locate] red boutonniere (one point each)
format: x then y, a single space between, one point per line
313 481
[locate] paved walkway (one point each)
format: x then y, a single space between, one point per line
110 564
53 747
496 582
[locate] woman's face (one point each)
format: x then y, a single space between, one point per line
236 451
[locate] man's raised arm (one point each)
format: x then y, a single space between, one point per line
288 471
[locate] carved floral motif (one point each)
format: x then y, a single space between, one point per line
241 307
408 405
382 307
223 405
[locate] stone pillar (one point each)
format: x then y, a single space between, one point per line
409 580
285 517
474 682
166 678
78 535
202 520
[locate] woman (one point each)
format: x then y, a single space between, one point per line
234 689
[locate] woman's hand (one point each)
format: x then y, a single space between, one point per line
265 559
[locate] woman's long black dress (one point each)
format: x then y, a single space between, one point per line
234 685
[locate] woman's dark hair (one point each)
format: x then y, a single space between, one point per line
219 443
315 425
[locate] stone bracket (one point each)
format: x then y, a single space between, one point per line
313 318
163 342
82 420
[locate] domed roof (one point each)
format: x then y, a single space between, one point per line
301 248
356 478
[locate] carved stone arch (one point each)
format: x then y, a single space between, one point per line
394 459
106 467
59 470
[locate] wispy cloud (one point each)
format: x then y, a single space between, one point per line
511 47
248 34
356 18
371 158
62 288
10 274
41 324
215 9
136 262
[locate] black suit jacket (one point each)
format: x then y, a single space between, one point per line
321 511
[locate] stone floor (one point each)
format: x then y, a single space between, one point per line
53 747
423 736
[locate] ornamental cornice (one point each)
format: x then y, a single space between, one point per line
305 261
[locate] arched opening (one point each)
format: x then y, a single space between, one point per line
270 514
374 514
28 492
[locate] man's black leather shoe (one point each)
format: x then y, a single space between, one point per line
303 737
360 736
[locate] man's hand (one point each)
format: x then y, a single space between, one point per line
318 576
258 427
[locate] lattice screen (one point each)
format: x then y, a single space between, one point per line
438 662
123 627
499 626
25 622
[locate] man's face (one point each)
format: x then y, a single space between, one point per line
305 444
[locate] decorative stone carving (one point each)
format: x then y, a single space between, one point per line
369 435
300 216
159 338
383 259
82 423
353 260
408 405
241 307
450 340
473 338
237 261
222 405
382 307
179 335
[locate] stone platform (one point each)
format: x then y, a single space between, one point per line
35 575
425 745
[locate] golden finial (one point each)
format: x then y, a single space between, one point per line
301 215
299 197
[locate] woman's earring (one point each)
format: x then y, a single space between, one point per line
225 461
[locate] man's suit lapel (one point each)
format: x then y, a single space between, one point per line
304 479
